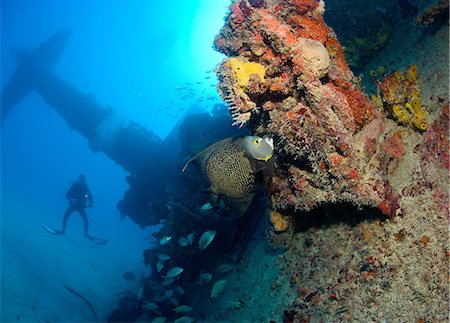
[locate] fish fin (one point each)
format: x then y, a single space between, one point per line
265 170
188 162
207 150
262 168
214 197
239 206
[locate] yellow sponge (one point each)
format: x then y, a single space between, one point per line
242 71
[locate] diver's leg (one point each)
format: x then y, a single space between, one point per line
85 221
67 214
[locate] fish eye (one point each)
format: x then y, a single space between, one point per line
256 141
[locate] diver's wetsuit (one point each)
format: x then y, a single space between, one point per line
79 198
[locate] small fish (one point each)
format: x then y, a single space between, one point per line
184 319
224 268
199 83
168 281
190 238
158 299
168 293
159 265
218 288
140 293
175 271
182 309
179 291
163 256
207 206
183 242
174 301
204 278
206 238
164 240
159 319
207 78
235 304
151 306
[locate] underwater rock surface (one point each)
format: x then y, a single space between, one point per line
342 264
357 229
333 144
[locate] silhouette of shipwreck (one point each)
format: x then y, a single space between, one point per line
147 159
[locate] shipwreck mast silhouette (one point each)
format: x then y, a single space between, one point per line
136 149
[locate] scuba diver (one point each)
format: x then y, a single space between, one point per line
79 198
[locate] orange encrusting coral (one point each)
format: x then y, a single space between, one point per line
280 223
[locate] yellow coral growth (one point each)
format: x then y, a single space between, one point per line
243 70
399 95
279 222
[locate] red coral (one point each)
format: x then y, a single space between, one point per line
303 6
390 206
394 146
238 16
435 147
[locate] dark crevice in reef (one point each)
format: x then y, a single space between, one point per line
285 161
330 214
325 79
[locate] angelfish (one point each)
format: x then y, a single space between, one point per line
235 168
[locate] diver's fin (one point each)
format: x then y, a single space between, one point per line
97 240
52 230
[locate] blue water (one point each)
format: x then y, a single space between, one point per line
131 55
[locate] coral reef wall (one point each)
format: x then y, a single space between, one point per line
347 265
332 142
